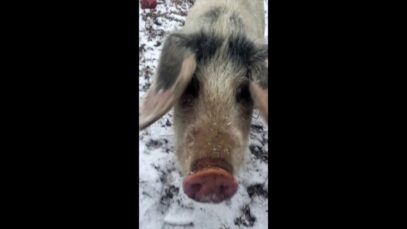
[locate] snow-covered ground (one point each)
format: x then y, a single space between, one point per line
162 201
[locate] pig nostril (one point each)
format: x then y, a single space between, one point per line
195 188
210 185
223 189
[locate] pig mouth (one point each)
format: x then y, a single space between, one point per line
210 181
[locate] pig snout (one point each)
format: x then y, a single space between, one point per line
211 180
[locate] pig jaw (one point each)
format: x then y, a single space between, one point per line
209 158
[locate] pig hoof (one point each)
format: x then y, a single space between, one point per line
210 185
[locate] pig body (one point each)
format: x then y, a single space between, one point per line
226 17
213 72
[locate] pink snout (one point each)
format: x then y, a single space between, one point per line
210 185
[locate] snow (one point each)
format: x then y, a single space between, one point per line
162 201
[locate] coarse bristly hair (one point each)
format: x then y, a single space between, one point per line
212 117
205 73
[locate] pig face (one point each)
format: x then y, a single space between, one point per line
213 83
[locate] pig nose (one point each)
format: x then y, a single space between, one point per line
210 185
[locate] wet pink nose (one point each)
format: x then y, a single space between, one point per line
210 185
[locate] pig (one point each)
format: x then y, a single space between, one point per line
213 73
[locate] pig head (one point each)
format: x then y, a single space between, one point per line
213 73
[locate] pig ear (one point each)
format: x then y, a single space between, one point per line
260 96
260 55
259 85
176 68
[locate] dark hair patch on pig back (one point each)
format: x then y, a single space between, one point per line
240 50
204 45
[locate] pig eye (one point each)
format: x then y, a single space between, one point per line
243 94
191 92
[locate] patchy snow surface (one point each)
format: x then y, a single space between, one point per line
162 201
